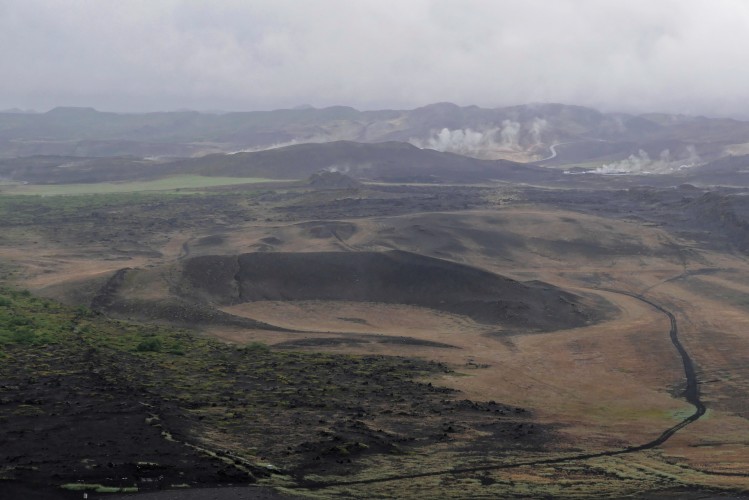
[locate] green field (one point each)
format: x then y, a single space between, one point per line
165 184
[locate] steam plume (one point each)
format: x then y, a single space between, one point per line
641 163
480 143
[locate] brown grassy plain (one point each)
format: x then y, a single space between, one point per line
607 386
602 387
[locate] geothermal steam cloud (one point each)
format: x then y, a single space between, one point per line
478 143
642 163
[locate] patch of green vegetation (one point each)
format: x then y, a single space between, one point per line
152 344
80 486
166 184
98 488
255 347
27 320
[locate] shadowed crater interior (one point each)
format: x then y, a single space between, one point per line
393 277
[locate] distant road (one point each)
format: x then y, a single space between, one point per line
553 147
553 150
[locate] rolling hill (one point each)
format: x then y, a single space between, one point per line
523 133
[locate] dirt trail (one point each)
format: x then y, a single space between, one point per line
692 391
691 394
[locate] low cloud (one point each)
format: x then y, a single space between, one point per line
671 55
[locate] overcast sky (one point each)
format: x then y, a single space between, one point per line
685 56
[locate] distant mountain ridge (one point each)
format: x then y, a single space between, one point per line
385 162
522 133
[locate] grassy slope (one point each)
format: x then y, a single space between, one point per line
62 366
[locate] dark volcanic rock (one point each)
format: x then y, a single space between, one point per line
332 180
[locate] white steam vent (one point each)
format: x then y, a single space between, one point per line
512 138
642 164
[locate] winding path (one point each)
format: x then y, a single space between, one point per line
691 394
553 147
692 391
553 150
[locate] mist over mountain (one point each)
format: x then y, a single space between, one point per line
553 134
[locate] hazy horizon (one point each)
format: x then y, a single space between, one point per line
636 57
30 111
